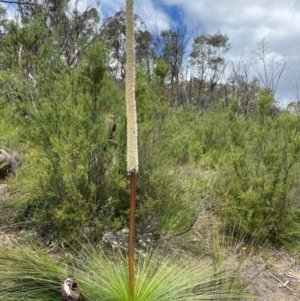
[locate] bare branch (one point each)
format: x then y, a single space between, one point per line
269 65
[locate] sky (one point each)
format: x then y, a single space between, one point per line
244 22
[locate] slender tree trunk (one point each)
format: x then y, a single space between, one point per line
132 147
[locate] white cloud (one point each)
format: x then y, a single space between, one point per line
247 22
150 13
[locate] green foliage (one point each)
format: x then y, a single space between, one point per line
65 115
34 275
161 70
70 160
73 160
9 134
257 178
163 146
255 164
213 134
32 270
265 106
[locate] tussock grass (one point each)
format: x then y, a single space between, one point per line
31 274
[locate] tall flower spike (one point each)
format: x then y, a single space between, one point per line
132 145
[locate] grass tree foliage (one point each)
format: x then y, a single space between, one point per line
31 274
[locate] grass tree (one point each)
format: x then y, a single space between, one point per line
132 146
31 274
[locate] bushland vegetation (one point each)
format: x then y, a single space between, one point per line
62 109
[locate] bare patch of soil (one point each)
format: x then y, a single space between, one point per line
268 274
273 276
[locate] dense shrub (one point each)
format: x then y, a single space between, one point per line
65 181
257 182
73 180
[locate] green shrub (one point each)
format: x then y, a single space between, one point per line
73 179
256 183
65 183
165 198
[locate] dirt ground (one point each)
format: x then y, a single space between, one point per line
268 273
273 275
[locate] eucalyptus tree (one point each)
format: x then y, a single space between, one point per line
207 59
113 35
174 45
171 46
68 27
45 31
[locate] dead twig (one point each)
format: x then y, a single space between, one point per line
284 285
291 276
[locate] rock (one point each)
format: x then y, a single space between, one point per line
5 163
15 161
69 289
9 163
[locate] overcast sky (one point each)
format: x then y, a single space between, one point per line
244 22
